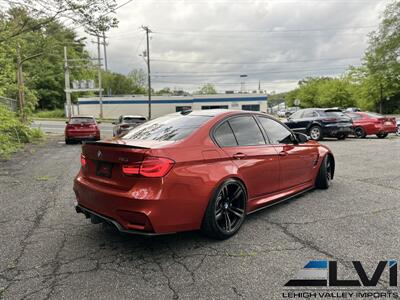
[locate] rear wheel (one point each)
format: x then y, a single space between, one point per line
67 141
359 132
382 135
324 176
226 211
315 133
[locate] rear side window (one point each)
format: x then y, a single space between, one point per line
81 120
277 133
310 114
172 127
224 136
246 131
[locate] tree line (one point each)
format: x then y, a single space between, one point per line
374 86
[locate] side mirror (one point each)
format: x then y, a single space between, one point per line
302 138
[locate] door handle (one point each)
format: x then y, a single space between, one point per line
239 155
283 153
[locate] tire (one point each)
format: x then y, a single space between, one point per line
324 176
359 133
382 135
341 136
398 130
226 210
67 141
315 133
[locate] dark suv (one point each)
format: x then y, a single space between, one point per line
321 122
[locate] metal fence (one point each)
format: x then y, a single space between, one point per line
8 102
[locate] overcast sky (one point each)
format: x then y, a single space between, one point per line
277 42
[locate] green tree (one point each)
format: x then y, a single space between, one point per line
207 89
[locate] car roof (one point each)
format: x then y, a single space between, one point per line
217 112
131 116
78 117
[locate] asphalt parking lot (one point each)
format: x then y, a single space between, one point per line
47 251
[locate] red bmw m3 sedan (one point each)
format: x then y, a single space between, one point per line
195 170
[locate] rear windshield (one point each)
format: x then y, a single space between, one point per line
81 120
133 120
354 116
374 115
168 128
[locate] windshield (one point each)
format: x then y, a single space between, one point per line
81 120
168 128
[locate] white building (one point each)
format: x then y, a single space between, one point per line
113 107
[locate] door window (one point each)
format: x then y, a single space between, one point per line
224 136
277 133
246 131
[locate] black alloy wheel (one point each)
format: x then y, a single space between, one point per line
226 211
359 132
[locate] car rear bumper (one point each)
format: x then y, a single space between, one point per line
381 128
96 218
142 208
82 136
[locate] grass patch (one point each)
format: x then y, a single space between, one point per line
14 134
42 178
49 114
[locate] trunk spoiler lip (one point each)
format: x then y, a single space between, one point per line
113 145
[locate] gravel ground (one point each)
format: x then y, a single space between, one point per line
49 251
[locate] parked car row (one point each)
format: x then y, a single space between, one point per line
319 123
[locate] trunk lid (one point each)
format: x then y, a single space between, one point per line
104 161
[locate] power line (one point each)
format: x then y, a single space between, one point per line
249 62
251 73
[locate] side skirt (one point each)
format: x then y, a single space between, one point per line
281 200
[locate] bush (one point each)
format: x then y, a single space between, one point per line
14 133
57 113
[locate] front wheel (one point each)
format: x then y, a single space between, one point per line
316 133
324 176
359 132
382 135
226 211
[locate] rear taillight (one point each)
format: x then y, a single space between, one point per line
149 167
83 160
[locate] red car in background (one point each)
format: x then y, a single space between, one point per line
197 170
368 123
81 128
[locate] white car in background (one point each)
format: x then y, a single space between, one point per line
398 126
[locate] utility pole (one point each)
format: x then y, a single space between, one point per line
99 76
67 84
146 28
381 102
105 51
20 80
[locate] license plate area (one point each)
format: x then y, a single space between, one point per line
104 169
